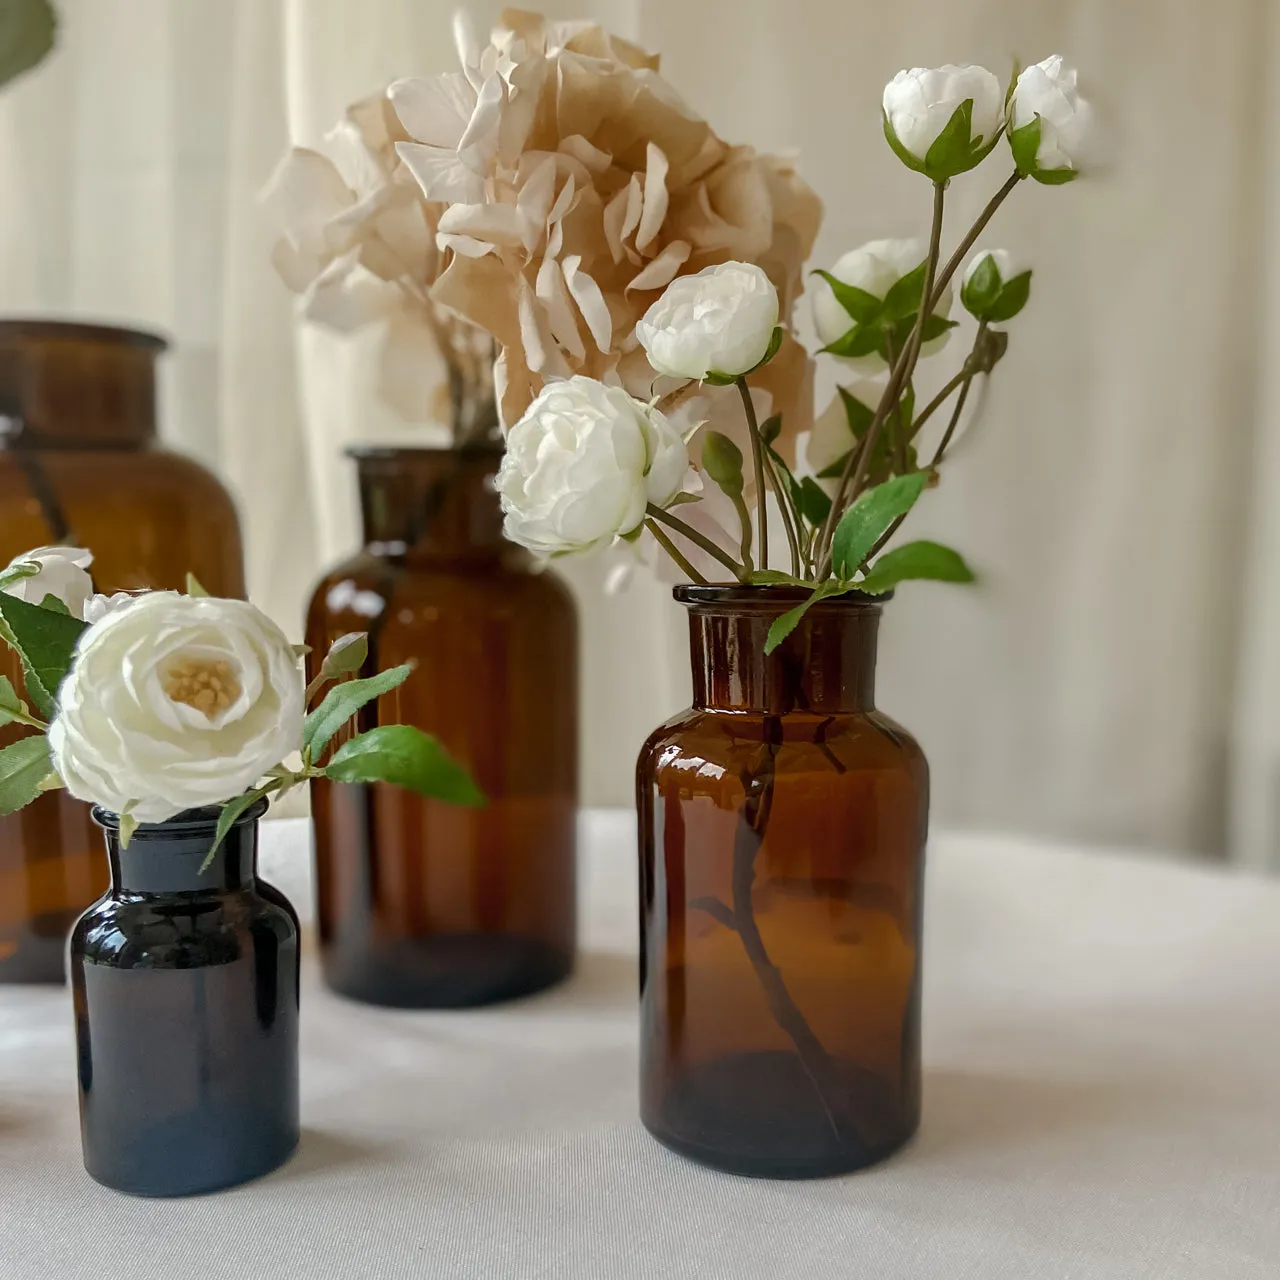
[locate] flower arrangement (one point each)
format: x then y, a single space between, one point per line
153 703
590 464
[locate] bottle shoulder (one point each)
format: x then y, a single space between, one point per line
181 931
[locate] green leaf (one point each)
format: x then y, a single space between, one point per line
1055 177
55 603
898 149
981 289
27 30
834 470
343 701
17 571
24 765
1025 143
405 757
858 415
721 379
935 326
775 341
127 825
227 818
912 560
194 588
46 642
861 340
813 502
1013 297
9 700
722 461
782 627
861 527
906 294
775 578
952 151
860 306
770 429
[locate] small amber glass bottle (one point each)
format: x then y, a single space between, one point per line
422 903
79 462
782 833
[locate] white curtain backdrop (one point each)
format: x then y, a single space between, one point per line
1116 677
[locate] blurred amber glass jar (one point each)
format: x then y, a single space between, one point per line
424 904
79 463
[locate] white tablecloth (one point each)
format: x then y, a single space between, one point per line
1102 1099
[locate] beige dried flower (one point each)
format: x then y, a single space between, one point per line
358 243
578 185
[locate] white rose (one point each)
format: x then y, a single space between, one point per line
720 320
1048 91
996 286
583 463
176 702
919 104
874 268
99 605
63 573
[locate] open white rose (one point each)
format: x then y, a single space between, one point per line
920 104
63 573
1049 122
176 702
99 605
720 320
583 463
874 268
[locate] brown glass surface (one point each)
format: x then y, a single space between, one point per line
78 462
782 833
422 903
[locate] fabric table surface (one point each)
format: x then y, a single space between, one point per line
1101 1100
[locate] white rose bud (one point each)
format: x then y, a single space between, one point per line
176 702
995 287
1049 122
874 269
63 573
719 321
942 121
583 463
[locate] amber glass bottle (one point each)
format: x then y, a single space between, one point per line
185 982
79 463
782 832
421 903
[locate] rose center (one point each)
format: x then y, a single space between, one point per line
208 684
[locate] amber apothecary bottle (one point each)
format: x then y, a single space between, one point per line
782 834
79 462
185 983
421 903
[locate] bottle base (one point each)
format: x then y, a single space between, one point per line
445 971
159 1171
759 1116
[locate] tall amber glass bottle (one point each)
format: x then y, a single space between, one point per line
782 832
421 903
79 462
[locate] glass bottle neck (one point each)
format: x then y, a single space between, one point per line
426 503
73 386
826 665
169 857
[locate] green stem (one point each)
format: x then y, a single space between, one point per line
698 539
757 459
855 470
674 552
953 263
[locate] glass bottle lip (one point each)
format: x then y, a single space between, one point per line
188 822
771 599
41 328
